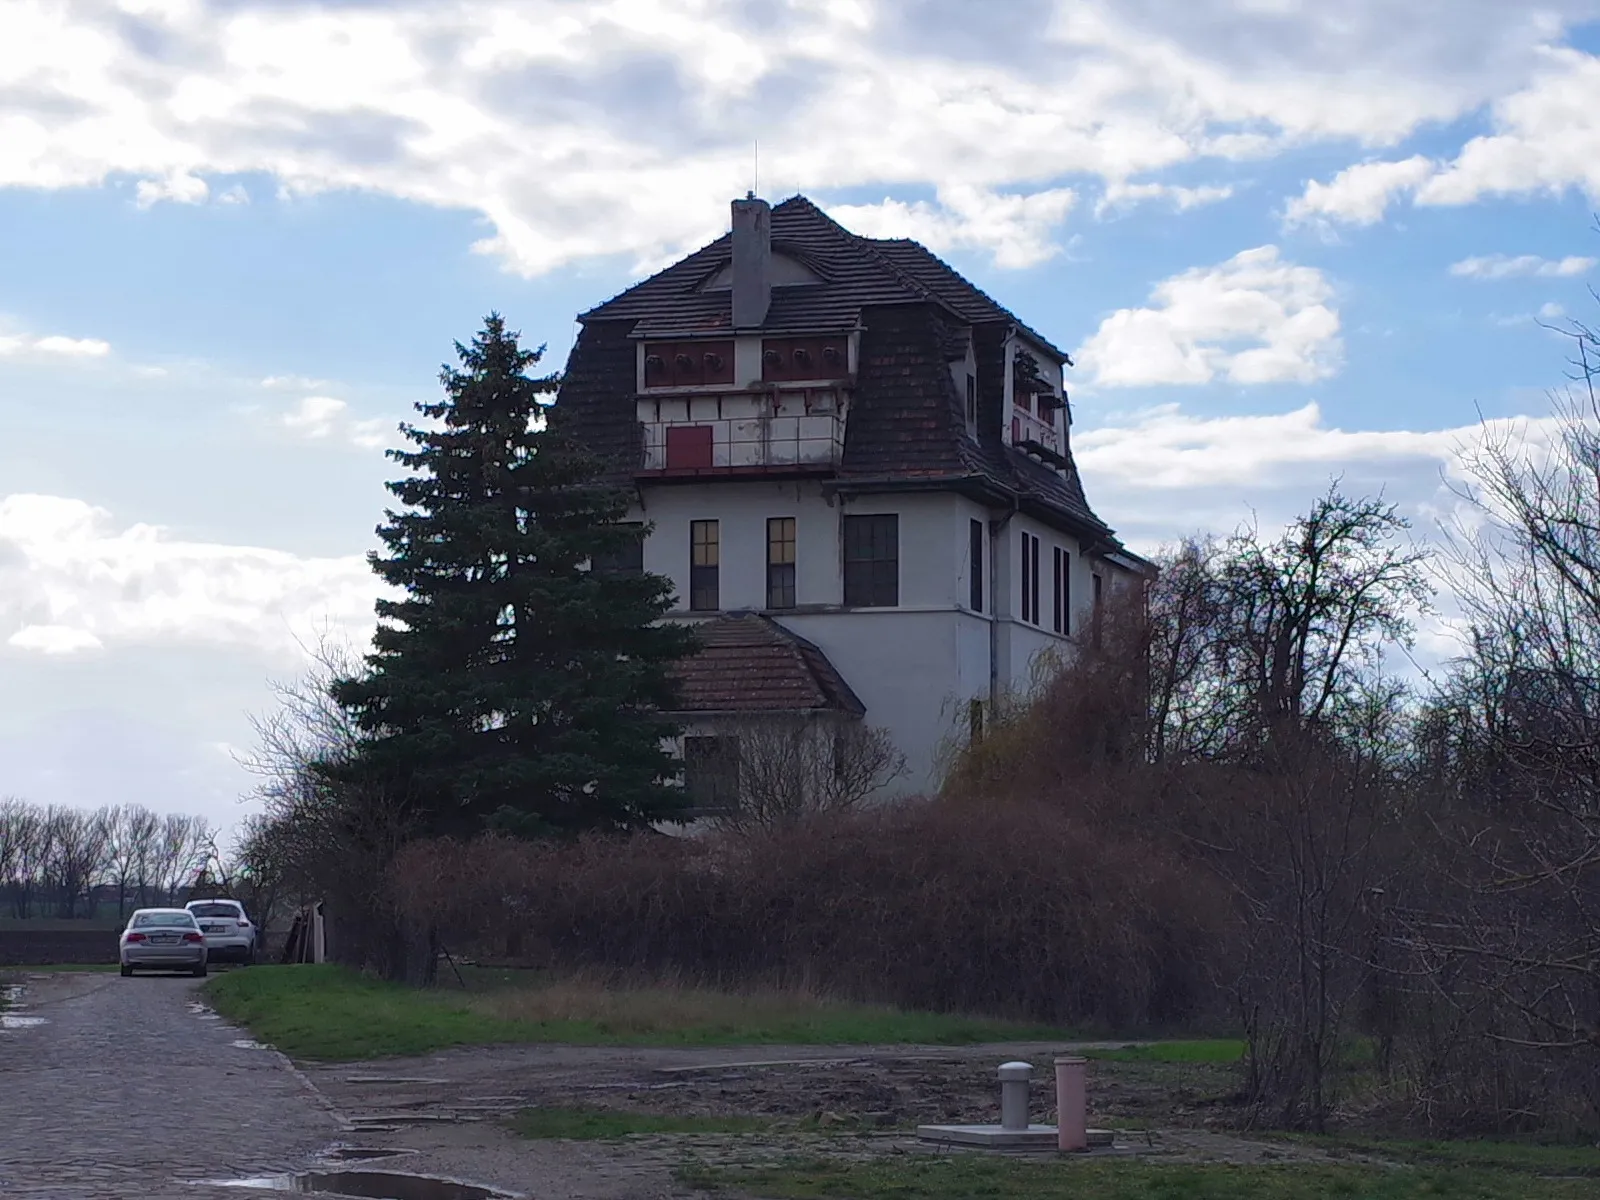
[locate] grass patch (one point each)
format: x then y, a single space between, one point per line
1532 1158
1212 1051
600 1124
963 1177
334 1014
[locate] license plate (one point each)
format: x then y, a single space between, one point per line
214 929
163 939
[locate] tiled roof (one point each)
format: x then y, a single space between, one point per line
750 663
907 423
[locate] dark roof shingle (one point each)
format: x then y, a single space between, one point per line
907 420
749 663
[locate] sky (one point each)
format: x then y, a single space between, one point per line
1284 240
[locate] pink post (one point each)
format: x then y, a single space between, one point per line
1072 1128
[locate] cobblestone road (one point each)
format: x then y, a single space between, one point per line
127 1089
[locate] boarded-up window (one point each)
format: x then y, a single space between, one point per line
711 772
688 447
627 558
872 561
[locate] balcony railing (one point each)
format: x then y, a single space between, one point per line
1027 428
749 433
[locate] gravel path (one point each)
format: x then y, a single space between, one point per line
126 1088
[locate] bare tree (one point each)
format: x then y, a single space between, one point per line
319 840
793 768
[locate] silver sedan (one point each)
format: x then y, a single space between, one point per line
162 939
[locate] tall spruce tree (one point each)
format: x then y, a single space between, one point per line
514 686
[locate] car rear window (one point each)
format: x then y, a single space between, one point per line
215 910
145 920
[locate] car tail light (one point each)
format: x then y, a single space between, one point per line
243 924
193 937
136 937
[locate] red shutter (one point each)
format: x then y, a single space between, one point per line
688 447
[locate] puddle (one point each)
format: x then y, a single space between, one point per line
10 1002
363 1153
369 1185
247 1044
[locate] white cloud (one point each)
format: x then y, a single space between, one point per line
292 383
1551 311
1252 319
1182 199
54 639
645 111
325 418
1358 195
1501 266
19 345
72 578
1164 473
180 188
1015 229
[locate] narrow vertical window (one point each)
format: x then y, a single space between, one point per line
872 561
1058 608
975 555
1027 577
780 562
704 558
1034 578
972 399
1030 579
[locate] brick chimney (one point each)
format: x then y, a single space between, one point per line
752 261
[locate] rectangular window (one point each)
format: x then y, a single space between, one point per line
704 593
780 562
972 399
711 772
1063 591
872 561
975 555
627 559
1030 579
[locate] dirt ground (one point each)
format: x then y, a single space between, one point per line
444 1109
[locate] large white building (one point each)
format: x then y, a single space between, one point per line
857 470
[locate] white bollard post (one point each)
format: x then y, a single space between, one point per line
1014 1077
1071 1122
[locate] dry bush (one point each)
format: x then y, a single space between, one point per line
1022 914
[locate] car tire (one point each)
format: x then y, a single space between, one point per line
200 971
127 971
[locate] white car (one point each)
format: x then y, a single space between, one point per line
228 932
162 939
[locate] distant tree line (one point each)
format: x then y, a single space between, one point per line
70 863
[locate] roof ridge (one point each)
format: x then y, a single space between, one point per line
857 241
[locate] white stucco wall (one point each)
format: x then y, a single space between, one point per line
915 666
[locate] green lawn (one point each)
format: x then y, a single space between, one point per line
969 1177
1210 1051
333 1014
599 1124
1535 1158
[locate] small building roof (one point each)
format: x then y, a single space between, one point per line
748 663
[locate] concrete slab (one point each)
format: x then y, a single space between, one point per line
989 1135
